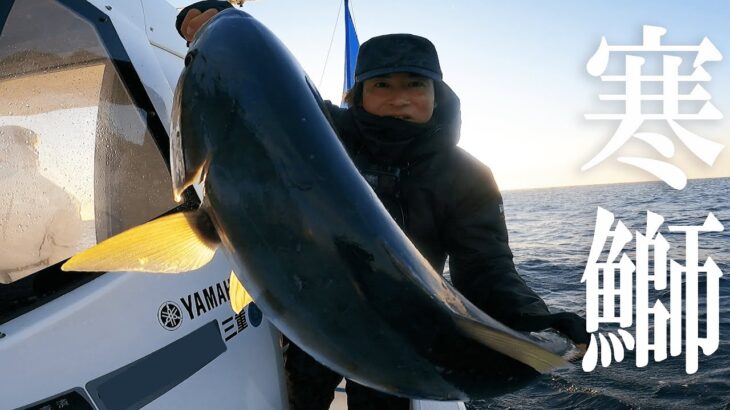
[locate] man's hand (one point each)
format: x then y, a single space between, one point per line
574 327
194 20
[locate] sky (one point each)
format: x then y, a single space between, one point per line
519 69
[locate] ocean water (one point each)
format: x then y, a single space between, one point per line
551 231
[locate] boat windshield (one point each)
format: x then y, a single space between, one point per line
78 162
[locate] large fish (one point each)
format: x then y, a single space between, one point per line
307 236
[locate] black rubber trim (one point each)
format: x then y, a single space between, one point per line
74 399
5 7
139 383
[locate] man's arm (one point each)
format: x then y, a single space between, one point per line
338 117
480 258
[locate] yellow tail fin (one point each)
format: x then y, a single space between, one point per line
175 243
521 350
237 294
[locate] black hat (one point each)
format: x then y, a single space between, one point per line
396 53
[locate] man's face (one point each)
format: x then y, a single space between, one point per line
406 96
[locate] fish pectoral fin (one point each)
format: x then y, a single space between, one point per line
175 243
238 296
512 345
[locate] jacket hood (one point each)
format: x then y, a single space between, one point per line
374 135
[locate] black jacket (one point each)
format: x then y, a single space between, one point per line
448 204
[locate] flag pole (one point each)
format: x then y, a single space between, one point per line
352 45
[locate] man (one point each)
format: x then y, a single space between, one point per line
401 132
36 231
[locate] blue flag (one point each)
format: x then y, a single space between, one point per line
352 45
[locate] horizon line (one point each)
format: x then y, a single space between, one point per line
601 184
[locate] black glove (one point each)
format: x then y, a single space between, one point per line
571 325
